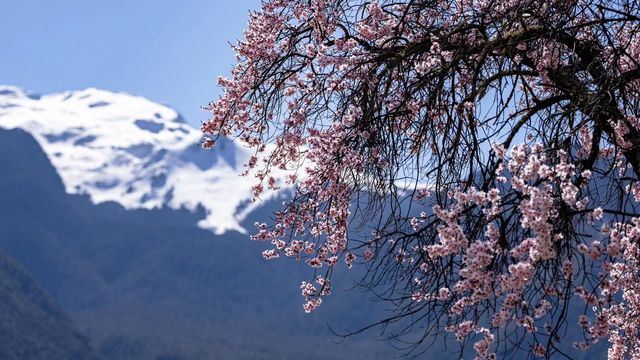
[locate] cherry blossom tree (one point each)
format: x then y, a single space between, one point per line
479 159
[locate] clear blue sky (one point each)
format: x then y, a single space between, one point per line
168 51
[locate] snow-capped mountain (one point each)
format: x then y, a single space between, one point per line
124 148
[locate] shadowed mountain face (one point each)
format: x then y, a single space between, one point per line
150 284
32 326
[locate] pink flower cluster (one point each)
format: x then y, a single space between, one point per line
302 96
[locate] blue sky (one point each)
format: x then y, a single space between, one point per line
167 51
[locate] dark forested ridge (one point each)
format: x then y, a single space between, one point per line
32 326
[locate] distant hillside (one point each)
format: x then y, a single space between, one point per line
32 326
150 284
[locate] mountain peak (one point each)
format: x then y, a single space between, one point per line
14 92
115 146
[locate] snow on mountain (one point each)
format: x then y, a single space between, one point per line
124 148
